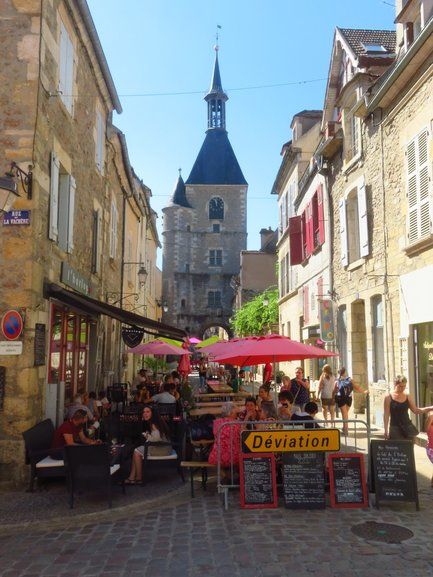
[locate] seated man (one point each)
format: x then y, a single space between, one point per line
71 433
165 396
285 404
310 411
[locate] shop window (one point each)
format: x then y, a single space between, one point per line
62 206
216 209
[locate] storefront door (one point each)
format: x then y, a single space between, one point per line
69 338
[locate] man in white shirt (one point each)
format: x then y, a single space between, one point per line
165 396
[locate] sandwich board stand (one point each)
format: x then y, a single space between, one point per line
347 483
258 481
393 472
304 480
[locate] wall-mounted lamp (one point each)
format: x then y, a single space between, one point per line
162 304
142 275
8 186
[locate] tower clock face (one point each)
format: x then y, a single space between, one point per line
216 208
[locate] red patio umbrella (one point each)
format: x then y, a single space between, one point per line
268 349
158 347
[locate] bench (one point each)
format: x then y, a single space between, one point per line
193 466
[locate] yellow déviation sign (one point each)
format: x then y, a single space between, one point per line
291 440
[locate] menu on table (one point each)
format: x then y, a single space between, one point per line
348 488
304 480
394 471
258 481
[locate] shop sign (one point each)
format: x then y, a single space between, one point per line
72 278
428 345
326 315
11 348
12 325
132 336
40 344
16 217
292 441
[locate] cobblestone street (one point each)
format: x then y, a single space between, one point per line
179 536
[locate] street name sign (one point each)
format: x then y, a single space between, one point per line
281 441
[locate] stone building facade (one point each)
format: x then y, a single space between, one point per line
57 101
205 229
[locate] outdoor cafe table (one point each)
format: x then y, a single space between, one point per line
217 387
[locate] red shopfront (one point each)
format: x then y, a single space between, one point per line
69 350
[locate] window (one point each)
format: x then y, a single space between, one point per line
216 227
215 257
187 267
66 68
354 236
182 303
188 228
114 216
283 213
355 136
216 209
214 299
96 240
287 287
100 141
62 206
418 188
374 48
283 275
378 343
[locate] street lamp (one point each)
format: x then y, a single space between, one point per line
163 305
142 278
142 274
8 186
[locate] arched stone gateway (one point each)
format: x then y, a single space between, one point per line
220 330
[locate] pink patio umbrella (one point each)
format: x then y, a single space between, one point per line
268 349
222 347
158 347
194 340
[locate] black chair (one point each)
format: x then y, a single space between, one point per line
178 428
89 466
38 440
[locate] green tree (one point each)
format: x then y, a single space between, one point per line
255 317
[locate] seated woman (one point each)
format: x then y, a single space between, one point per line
154 431
264 395
250 412
227 438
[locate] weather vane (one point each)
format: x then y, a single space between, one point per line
217 37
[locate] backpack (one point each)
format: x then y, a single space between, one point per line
345 388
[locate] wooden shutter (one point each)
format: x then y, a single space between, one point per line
63 58
309 226
306 305
54 198
295 237
69 83
363 221
321 212
71 214
343 233
418 188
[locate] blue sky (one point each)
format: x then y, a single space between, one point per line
166 46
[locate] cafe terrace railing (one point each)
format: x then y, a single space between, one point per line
358 440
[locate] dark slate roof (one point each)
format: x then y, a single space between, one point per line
216 162
179 194
357 38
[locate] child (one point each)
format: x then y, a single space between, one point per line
285 404
310 411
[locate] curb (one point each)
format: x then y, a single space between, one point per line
177 497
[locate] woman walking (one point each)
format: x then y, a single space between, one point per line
344 391
397 422
327 390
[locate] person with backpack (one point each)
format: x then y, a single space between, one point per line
344 391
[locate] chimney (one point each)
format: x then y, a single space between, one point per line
265 235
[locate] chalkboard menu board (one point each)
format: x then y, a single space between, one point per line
258 481
394 471
304 480
347 484
40 344
2 386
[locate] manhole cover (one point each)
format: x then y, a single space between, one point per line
384 532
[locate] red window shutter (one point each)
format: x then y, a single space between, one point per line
304 236
310 228
295 236
321 215
306 305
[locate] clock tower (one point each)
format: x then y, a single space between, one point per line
205 229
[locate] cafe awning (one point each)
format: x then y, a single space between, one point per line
96 307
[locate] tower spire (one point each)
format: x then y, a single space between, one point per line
216 98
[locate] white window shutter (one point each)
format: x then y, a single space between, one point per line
71 214
424 186
419 218
412 193
69 75
63 57
343 233
363 220
54 198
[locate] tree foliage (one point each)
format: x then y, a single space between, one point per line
254 317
